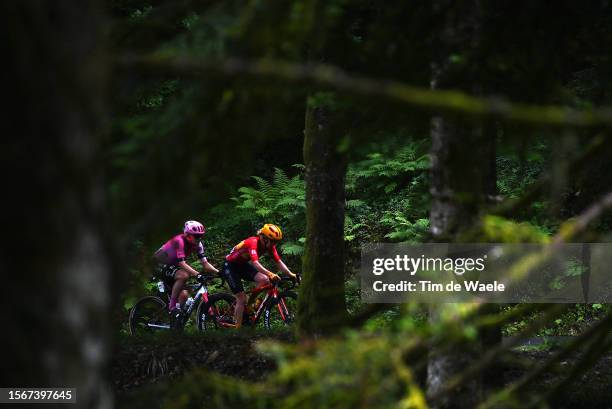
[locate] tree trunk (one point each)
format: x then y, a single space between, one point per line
457 196
491 337
322 307
461 158
56 263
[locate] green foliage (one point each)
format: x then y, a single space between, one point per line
373 212
371 373
323 99
280 200
293 248
355 219
515 174
156 97
403 229
388 194
571 323
384 172
573 269
500 230
352 294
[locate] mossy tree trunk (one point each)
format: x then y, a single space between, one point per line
460 182
459 190
56 263
321 306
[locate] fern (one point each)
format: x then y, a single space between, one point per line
355 204
292 248
385 171
263 186
281 181
405 230
387 197
279 200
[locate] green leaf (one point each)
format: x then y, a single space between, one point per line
390 187
129 303
293 249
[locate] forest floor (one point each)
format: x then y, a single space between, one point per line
141 361
144 361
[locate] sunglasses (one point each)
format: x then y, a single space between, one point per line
198 236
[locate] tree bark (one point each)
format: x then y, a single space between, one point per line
461 163
457 195
56 263
490 337
321 306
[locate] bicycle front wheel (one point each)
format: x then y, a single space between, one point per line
149 314
280 312
217 312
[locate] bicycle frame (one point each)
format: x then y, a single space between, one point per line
272 292
273 295
201 295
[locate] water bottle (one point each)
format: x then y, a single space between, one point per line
188 304
161 287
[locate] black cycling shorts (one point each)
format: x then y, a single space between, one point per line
167 273
234 273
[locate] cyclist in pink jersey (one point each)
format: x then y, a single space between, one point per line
172 258
243 263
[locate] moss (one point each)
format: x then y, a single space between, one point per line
501 230
321 304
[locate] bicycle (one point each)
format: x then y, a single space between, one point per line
218 312
151 313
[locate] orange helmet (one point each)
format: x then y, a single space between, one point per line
271 231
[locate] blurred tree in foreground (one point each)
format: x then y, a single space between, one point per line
58 258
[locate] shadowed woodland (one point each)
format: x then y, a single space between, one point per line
345 123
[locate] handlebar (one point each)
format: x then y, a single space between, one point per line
206 278
294 283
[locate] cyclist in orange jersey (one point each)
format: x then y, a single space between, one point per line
243 263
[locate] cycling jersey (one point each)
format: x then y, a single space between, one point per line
249 250
177 249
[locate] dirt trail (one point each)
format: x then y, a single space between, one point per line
137 362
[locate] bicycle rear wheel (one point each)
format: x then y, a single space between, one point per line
149 314
280 312
216 313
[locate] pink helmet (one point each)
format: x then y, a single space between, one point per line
193 227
